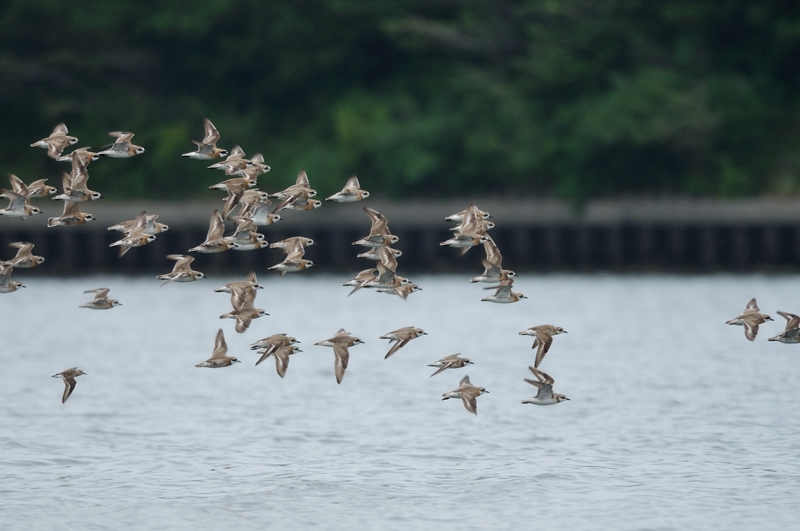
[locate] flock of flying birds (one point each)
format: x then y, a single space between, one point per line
255 210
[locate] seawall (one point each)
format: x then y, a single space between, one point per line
677 235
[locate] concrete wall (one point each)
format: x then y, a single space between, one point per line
621 235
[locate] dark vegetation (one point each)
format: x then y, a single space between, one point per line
567 98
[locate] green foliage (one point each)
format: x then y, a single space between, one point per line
569 98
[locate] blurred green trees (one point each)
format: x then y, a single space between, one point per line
567 98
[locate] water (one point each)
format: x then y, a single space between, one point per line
676 420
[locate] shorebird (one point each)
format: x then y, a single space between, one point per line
24 257
297 196
387 278
250 283
215 240
181 271
750 319
101 300
544 338
6 284
246 237
402 336
351 192
19 206
468 394
381 253
503 293
386 256
250 198
207 148
298 204
234 162
545 396
792 332
255 167
281 357
293 262
236 188
493 264
465 241
69 381
259 213
340 342
459 217
86 155
72 216
471 232
243 311
290 245
33 190
56 142
137 236
378 240
219 358
402 291
379 234
75 183
449 362
122 148
362 279
151 226
272 342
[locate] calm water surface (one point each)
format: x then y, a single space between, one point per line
676 420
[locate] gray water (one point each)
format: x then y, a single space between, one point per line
675 421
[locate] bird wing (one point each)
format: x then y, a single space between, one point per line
792 320
282 360
139 226
79 175
212 135
397 346
24 249
220 346
351 185
216 227
492 252
71 208
302 179
99 293
542 376
469 399
342 356
182 263
544 341
66 182
750 329
16 184
387 258
122 137
69 386
235 192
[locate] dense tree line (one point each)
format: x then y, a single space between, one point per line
568 98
